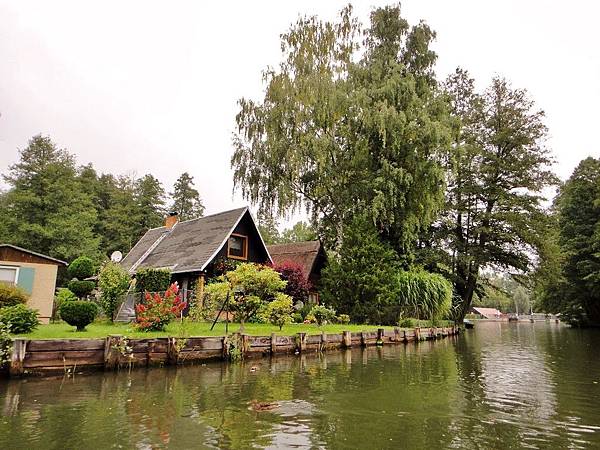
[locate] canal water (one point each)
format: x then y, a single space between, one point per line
498 386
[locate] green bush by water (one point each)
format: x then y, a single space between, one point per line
19 318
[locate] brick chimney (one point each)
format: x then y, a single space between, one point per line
171 220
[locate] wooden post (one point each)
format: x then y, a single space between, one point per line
380 335
273 343
172 354
111 353
417 334
323 340
363 339
149 351
245 344
405 337
17 357
300 342
200 291
347 339
396 334
225 348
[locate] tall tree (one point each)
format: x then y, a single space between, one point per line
150 202
300 232
498 168
348 126
579 239
267 226
186 199
47 209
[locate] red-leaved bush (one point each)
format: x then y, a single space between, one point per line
298 285
157 311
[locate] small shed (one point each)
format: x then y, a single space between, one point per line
33 272
309 255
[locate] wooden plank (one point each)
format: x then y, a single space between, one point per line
49 345
334 338
199 355
285 340
313 339
70 358
259 341
197 344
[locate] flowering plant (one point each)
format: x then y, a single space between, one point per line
157 311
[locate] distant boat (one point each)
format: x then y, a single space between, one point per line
468 324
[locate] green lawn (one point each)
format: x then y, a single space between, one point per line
101 330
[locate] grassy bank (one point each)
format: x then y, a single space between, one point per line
101 330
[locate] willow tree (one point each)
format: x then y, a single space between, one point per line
351 121
497 170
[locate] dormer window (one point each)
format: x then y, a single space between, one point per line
237 247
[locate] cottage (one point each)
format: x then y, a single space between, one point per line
309 255
34 273
193 249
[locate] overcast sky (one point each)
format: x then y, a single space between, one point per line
151 87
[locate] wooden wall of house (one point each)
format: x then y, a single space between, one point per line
256 250
12 254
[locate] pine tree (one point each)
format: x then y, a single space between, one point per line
186 199
46 207
150 202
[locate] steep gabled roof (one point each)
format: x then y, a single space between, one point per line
490 313
187 247
302 253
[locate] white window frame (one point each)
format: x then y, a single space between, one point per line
16 269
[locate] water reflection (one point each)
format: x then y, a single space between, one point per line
500 386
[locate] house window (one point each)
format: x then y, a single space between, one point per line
237 247
9 274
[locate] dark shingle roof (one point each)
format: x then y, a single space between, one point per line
302 253
189 246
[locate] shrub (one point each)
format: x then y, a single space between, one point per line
214 296
279 311
81 288
11 295
158 310
78 313
426 295
81 268
298 285
19 318
253 285
407 323
152 280
297 317
62 295
344 319
113 282
322 314
5 345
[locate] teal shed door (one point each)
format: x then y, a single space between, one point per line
25 280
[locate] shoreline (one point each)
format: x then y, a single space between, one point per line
48 357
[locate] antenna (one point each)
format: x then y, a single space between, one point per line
116 256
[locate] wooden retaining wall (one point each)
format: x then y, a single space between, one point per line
31 357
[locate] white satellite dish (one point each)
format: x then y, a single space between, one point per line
116 256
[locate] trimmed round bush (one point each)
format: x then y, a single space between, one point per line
19 318
82 267
81 288
343 319
78 313
11 295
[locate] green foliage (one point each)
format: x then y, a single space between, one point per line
157 311
350 123
279 311
186 199
497 169
407 322
152 280
11 295
249 286
6 345
19 318
81 288
570 283
424 294
359 281
113 282
45 208
322 314
343 319
62 295
300 232
78 313
81 268
150 201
